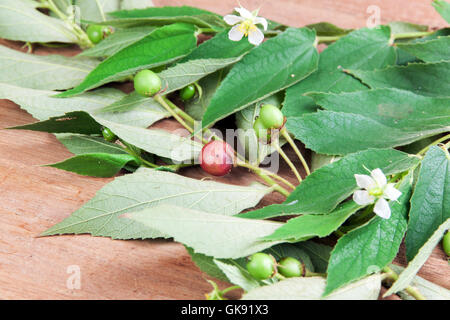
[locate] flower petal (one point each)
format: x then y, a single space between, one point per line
364 181
231 19
379 177
261 21
255 36
235 34
244 13
362 197
382 208
391 193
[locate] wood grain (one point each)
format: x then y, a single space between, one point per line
33 198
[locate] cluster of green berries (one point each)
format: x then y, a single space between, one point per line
270 118
97 33
263 266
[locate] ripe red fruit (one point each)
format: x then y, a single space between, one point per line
217 158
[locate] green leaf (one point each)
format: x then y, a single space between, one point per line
147 188
162 46
82 144
144 110
263 72
43 105
378 118
183 74
156 141
237 274
370 247
366 49
207 265
429 51
96 10
407 276
157 16
312 288
328 186
101 165
219 47
196 107
43 72
319 160
318 253
166 15
303 227
429 79
443 7
326 29
117 41
430 290
72 122
21 21
232 237
430 203
398 27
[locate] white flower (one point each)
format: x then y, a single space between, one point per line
375 189
245 25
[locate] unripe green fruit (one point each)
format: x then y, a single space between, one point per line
446 243
147 83
261 130
187 93
108 135
271 116
95 33
261 266
290 267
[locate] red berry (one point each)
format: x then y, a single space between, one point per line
217 158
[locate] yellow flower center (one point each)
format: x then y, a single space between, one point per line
247 27
376 192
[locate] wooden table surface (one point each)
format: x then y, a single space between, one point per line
33 198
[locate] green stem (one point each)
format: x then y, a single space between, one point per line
226 290
414 292
441 139
288 161
288 138
158 98
410 35
83 39
244 164
266 178
180 112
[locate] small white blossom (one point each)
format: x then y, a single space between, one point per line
375 189
245 25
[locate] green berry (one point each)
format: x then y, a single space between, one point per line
446 243
271 116
290 267
261 130
187 93
147 83
95 33
108 135
261 266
